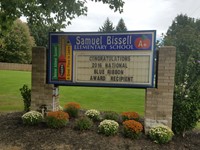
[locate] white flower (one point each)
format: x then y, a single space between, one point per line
32 117
161 133
108 127
92 113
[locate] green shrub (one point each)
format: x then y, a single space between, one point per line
26 95
72 108
32 118
186 107
132 129
161 134
186 111
93 114
108 127
57 119
111 115
83 123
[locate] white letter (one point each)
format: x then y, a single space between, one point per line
78 40
109 40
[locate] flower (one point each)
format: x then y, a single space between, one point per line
93 114
161 134
72 104
60 115
72 108
108 127
130 116
57 119
133 126
32 117
132 129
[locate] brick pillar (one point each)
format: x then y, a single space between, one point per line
159 101
41 93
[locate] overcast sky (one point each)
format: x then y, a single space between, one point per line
138 15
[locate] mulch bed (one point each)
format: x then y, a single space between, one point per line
16 136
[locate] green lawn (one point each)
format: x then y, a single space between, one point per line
115 99
11 82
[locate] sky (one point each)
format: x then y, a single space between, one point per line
138 15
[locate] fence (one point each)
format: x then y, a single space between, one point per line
15 66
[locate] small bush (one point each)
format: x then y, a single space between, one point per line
132 129
26 95
161 134
111 115
57 119
93 114
130 116
32 118
108 127
72 109
83 123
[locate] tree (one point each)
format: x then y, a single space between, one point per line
17 44
184 35
47 12
44 16
40 33
121 27
107 26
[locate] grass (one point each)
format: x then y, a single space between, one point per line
113 99
104 99
11 82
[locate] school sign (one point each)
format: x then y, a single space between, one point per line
102 59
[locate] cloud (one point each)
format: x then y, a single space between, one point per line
138 15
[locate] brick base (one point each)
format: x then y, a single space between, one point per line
159 101
41 93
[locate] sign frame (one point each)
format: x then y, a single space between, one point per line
99 39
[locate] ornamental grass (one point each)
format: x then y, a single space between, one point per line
132 129
130 116
57 119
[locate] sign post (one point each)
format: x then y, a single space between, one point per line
102 59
